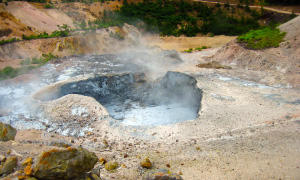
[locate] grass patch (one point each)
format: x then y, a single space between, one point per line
9 72
262 39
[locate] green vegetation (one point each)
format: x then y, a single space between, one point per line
263 38
61 33
200 48
188 18
49 6
9 41
283 2
9 72
189 50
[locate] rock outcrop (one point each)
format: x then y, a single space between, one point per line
64 164
7 132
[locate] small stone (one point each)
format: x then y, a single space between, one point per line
111 166
27 161
146 163
180 173
198 148
9 165
96 171
95 177
123 166
168 165
102 161
2 158
7 132
125 155
28 170
31 178
162 174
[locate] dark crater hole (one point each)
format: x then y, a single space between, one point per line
134 101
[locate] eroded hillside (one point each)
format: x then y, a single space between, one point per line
279 65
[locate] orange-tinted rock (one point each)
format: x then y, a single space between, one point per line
7 132
64 164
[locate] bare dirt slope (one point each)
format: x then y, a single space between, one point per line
37 17
282 63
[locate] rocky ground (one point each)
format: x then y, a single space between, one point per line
247 128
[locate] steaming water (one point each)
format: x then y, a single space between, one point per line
153 115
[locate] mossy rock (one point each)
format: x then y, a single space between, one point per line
7 132
64 164
111 166
9 165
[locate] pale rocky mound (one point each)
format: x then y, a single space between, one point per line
275 65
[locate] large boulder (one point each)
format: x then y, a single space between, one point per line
9 165
64 164
7 132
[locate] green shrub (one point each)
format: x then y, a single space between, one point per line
200 48
9 72
49 6
25 62
9 41
189 50
263 38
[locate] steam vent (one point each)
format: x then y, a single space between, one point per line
131 99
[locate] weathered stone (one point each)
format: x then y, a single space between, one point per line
96 171
146 163
64 164
162 174
111 166
9 165
27 161
28 170
2 158
31 178
95 177
7 132
17 175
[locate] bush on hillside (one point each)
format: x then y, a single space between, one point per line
263 38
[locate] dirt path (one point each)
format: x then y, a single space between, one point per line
257 7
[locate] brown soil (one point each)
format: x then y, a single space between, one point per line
184 43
